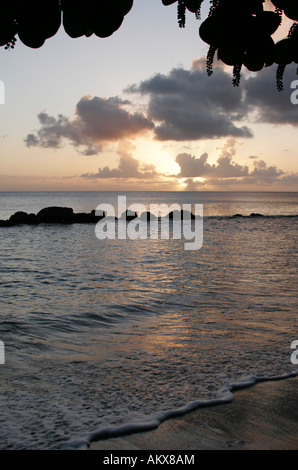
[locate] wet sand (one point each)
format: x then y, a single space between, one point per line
261 417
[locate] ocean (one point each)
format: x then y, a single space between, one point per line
107 336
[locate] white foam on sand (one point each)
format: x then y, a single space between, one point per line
225 395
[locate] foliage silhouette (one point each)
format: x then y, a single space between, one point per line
239 31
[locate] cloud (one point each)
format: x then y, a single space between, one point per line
226 172
191 166
188 105
264 174
267 104
128 167
290 179
183 105
97 121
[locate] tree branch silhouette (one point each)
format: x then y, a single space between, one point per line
239 32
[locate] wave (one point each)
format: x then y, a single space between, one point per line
225 395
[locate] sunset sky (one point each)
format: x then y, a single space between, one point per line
137 111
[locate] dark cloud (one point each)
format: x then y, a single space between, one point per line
268 104
184 105
106 119
97 121
54 130
188 105
31 140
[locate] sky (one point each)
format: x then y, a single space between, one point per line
137 111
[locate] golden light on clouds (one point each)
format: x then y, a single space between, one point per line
158 154
168 127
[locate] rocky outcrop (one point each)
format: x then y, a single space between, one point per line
129 215
87 218
55 215
52 215
5 223
65 215
181 215
23 218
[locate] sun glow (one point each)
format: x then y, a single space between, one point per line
199 180
185 181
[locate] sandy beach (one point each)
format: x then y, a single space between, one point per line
261 417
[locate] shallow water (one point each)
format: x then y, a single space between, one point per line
104 333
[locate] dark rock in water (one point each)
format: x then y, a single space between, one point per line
5 223
97 215
129 215
58 215
237 215
85 218
253 214
55 214
181 215
82 218
21 217
32 219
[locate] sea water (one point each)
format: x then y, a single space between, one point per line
103 336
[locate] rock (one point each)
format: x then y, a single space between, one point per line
85 218
82 218
6 223
129 215
56 215
97 215
21 217
181 214
253 214
53 215
32 219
